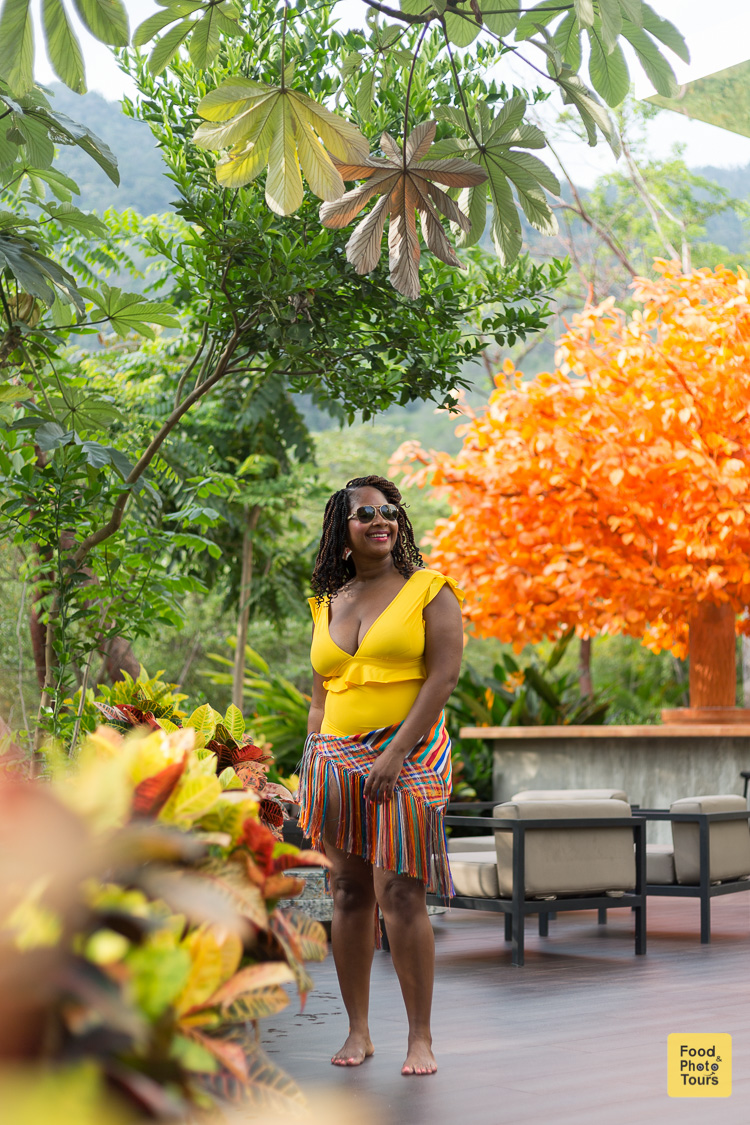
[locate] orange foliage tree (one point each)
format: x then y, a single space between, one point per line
613 494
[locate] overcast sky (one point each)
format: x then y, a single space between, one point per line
717 33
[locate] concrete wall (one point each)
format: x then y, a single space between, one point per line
653 770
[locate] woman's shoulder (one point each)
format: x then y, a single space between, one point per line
316 604
431 582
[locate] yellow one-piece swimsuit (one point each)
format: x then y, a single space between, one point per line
377 686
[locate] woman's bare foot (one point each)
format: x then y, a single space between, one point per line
419 1058
357 1048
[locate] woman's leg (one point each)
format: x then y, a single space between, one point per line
352 938
402 900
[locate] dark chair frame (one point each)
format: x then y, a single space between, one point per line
702 890
518 906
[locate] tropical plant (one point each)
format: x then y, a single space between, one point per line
140 926
280 711
306 323
269 123
149 703
611 494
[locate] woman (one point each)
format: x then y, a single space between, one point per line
386 654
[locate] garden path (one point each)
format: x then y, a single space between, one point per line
577 1036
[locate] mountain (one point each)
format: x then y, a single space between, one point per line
728 229
143 184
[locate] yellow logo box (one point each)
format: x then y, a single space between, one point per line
699 1066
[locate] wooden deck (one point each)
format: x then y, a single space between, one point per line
576 1037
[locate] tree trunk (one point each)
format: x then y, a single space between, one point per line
713 667
118 658
251 521
584 667
38 633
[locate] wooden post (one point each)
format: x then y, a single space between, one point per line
713 667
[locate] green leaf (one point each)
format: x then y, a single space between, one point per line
584 10
657 68
37 274
234 722
107 20
70 216
538 16
193 1056
591 111
153 25
120 462
39 151
461 26
63 47
542 687
473 202
502 23
351 65
17 45
365 94
608 72
192 798
611 23
14 393
205 40
85 139
228 779
203 719
62 186
168 46
664 31
567 39
632 10
505 164
131 312
50 436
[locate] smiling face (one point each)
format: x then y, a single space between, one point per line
374 540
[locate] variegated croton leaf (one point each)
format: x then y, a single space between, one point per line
406 183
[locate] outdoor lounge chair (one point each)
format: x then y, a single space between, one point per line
710 852
576 854
487 843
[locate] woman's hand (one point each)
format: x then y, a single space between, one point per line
382 778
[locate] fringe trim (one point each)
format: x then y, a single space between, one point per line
405 834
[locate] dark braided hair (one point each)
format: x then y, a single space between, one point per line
332 571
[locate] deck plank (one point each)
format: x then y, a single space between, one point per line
578 1035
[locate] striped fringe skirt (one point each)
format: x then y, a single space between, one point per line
406 833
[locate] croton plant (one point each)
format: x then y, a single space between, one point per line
240 763
141 938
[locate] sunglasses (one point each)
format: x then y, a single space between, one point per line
367 513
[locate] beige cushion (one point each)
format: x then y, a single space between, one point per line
729 841
475 874
570 795
659 864
568 861
472 844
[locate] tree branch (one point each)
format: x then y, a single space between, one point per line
588 219
113 523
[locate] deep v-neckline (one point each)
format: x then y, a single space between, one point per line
358 649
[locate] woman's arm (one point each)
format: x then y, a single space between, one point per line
443 650
317 705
